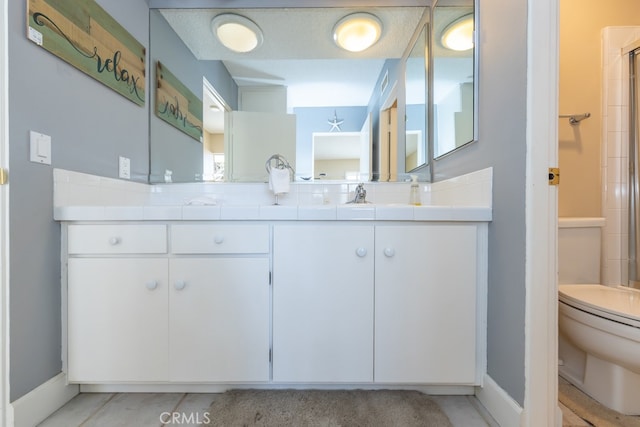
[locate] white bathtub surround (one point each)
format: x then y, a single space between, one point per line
615 148
82 196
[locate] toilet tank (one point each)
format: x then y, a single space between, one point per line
579 248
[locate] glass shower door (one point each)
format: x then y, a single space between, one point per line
634 169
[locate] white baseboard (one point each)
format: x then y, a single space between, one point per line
221 388
38 404
500 405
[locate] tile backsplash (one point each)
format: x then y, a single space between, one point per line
80 189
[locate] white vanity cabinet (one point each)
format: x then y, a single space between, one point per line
343 302
425 304
182 303
376 303
117 303
219 325
323 303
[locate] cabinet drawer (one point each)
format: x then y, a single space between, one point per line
219 239
117 239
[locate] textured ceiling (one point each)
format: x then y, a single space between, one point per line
294 33
298 51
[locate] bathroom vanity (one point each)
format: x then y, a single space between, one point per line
338 296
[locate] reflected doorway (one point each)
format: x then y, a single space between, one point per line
388 153
214 115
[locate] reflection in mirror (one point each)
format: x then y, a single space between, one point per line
329 90
215 110
173 155
416 104
453 76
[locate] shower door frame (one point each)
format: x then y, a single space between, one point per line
632 51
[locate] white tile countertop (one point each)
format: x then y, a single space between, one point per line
82 197
363 212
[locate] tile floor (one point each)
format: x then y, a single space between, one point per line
154 409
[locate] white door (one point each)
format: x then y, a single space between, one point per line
388 151
366 149
253 138
323 303
5 419
219 319
541 319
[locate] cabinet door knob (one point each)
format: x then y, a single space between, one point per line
389 252
180 285
361 252
218 239
114 241
151 285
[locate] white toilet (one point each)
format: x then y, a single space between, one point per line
599 344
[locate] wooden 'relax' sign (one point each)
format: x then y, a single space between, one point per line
83 34
176 104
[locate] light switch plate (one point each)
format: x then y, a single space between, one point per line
40 148
124 168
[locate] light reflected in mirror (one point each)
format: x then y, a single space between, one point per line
416 104
322 85
453 80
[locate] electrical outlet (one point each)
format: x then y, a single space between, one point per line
124 168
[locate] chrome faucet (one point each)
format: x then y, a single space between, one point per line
360 194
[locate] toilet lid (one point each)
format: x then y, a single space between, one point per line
619 304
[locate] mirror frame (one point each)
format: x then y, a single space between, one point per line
423 30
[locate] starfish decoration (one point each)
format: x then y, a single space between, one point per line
335 123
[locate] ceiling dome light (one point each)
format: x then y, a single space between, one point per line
357 32
236 32
459 34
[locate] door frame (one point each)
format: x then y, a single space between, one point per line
541 318
6 416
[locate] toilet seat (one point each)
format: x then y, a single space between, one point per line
619 304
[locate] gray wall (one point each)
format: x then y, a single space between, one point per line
501 144
90 125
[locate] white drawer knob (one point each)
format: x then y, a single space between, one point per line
361 252
389 252
114 241
180 285
151 285
218 239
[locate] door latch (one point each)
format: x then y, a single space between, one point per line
554 176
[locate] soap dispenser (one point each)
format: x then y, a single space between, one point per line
414 192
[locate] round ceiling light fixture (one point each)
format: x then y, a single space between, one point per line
236 32
357 32
459 34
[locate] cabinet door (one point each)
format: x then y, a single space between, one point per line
117 320
323 303
219 319
425 304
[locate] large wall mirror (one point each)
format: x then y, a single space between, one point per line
297 94
297 71
454 91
